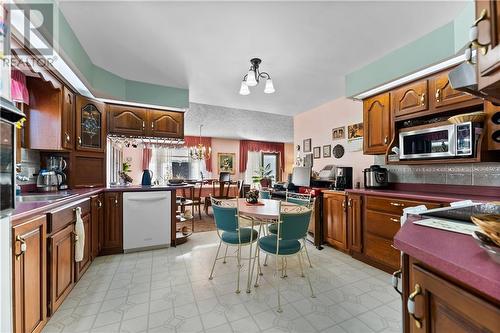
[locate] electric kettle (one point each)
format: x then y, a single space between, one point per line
146 177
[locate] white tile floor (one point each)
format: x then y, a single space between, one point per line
169 291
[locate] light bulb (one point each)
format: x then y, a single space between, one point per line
251 81
269 89
244 89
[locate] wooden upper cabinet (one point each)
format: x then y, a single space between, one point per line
410 99
125 120
29 275
167 124
354 216
90 125
377 124
489 35
334 217
68 119
443 95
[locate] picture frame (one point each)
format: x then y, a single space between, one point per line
338 133
355 132
327 151
317 152
226 162
307 145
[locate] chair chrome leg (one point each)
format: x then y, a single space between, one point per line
278 285
225 254
307 253
299 254
238 256
259 273
216 255
265 260
308 280
250 271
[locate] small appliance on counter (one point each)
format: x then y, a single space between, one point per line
375 177
57 164
343 179
147 175
47 181
328 172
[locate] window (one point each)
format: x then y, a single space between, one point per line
258 159
273 160
175 163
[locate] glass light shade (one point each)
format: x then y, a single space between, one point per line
269 89
251 80
244 89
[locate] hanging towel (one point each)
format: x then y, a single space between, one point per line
79 235
412 210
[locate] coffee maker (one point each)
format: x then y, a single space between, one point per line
343 178
53 178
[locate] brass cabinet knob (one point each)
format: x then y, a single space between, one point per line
143 124
397 204
68 138
79 140
23 247
386 140
438 95
422 99
411 305
394 220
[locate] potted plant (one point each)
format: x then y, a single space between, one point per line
263 176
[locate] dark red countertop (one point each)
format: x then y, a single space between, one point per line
424 196
453 254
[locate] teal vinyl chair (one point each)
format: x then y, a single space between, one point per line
227 220
301 199
291 229
265 194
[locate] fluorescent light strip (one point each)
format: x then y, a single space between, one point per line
417 75
167 108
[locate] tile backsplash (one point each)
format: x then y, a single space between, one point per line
30 165
479 174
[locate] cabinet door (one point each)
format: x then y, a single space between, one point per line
492 125
410 99
90 125
441 306
28 275
61 266
126 120
377 123
334 219
489 34
68 119
81 266
97 216
442 94
166 124
354 234
113 223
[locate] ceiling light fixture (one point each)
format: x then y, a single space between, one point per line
252 78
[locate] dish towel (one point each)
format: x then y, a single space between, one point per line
412 210
79 235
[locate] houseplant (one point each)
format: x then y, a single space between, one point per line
263 176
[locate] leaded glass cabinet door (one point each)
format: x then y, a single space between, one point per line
90 125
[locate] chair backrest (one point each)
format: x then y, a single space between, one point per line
224 176
264 194
302 199
199 189
225 216
294 225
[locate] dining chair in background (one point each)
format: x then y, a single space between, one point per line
291 228
265 194
227 220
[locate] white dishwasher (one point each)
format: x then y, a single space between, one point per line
146 220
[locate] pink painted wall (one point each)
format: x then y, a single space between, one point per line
135 156
318 123
226 146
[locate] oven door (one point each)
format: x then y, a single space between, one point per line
431 142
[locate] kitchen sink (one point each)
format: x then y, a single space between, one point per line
43 197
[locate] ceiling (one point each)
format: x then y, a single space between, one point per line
205 46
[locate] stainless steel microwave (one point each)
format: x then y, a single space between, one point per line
442 141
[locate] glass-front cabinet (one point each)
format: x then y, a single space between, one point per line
90 125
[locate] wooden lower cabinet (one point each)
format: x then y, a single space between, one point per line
97 220
440 305
334 220
81 266
29 275
112 241
61 266
354 232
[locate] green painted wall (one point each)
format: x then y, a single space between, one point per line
441 44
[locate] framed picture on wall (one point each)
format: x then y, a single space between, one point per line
355 131
307 146
327 151
225 162
338 133
317 152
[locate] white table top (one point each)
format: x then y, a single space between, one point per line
269 211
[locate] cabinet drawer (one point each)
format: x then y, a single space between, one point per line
379 249
383 225
59 218
395 206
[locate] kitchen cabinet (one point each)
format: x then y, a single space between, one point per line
334 219
354 233
440 305
126 120
68 119
29 275
113 223
442 95
410 99
488 58
97 220
166 124
90 125
377 122
87 170
492 125
61 266
82 266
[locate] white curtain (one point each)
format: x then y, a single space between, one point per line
197 168
161 164
253 164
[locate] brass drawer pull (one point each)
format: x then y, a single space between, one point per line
422 99
438 95
395 280
99 203
474 34
397 204
23 249
411 305
393 219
